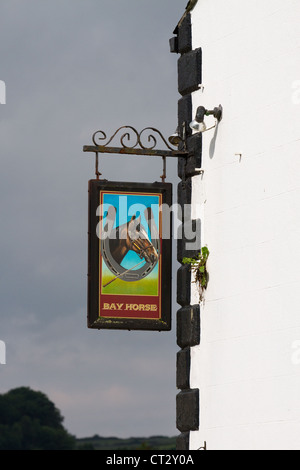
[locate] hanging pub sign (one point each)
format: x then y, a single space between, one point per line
129 272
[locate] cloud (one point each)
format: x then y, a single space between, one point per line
72 67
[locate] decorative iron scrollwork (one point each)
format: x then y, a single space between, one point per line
135 143
100 136
132 139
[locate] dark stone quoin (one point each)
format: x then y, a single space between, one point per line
188 317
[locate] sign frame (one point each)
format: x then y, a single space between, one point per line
142 316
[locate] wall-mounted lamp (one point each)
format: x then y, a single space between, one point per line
179 137
198 123
175 138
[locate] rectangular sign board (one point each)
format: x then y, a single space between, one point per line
129 260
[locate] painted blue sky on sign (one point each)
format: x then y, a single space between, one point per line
127 206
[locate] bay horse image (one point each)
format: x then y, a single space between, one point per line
131 236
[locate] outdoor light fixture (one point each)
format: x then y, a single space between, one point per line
175 139
198 123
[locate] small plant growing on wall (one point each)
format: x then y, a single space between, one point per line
198 268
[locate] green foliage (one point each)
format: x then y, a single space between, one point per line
132 443
198 267
30 421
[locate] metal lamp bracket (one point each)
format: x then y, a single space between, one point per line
135 143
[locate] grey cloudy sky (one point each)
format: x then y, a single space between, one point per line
72 67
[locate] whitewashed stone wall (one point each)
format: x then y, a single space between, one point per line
247 366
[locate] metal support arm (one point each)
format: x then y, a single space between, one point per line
133 143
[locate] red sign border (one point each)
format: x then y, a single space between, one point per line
102 192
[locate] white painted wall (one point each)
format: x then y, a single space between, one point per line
248 364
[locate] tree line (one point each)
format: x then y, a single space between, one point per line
30 421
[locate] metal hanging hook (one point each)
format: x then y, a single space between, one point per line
98 174
164 175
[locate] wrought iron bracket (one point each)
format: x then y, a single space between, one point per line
134 143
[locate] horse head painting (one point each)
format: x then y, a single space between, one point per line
132 236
